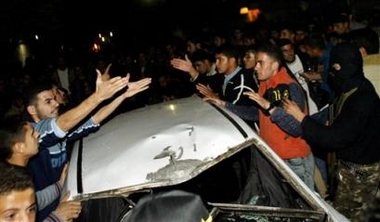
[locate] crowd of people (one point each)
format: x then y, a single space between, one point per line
311 94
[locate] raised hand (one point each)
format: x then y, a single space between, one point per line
184 65
206 91
258 99
106 87
136 87
105 76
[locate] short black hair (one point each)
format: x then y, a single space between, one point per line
11 132
229 50
282 42
272 51
201 55
30 93
14 178
315 40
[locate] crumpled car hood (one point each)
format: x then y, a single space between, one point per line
158 145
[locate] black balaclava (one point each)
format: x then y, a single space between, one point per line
351 73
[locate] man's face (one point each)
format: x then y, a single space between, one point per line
224 65
18 206
287 34
30 140
311 51
249 60
341 27
288 53
265 66
299 35
191 47
201 67
46 106
218 40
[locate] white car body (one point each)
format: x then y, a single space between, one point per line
167 144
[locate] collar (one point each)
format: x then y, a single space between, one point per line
228 77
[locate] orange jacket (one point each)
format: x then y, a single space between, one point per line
285 145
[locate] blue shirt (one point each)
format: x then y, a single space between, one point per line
47 165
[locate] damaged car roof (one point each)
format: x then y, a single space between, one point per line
158 145
170 143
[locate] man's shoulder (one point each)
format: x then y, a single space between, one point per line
48 126
43 124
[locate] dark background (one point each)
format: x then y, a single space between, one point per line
135 23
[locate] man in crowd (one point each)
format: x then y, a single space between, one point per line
56 130
353 134
18 143
17 197
201 63
296 64
280 130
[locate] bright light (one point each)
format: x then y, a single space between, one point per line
172 107
253 14
100 35
111 34
36 37
22 53
103 39
95 47
244 10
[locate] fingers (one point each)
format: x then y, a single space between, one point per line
99 75
74 209
141 89
176 63
66 197
68 210
64 174
65 168
117 83
141 83
128 76
286 102
115 79
108 68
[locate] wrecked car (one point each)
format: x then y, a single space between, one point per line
187 144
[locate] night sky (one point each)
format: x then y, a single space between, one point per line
65 18
142 21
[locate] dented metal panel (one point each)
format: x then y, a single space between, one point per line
158 145
170 143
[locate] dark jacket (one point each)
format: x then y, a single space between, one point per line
243 81
355 131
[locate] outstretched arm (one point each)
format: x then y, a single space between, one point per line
133 88
185 65
104 90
